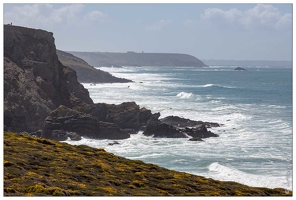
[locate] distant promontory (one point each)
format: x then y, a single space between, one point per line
108 59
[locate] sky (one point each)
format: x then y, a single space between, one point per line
225 31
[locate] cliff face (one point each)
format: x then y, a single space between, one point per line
44 98
99 59
85 72
35 82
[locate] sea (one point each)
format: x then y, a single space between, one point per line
254 106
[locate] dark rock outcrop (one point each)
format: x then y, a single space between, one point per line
176 127
190 127
85 72
156 128
67 120
182 122
108 59
196 139
240 69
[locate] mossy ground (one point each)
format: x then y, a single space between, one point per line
41 167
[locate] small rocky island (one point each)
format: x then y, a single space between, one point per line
240 69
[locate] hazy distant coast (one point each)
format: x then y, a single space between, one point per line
109 59
245 63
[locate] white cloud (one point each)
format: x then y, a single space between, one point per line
41 15
67 14
158 25
261 16
96 16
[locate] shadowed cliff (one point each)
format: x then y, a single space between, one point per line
35 81
85 72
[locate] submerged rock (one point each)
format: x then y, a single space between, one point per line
112 143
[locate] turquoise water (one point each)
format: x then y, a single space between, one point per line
254 146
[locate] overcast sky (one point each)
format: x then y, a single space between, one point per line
207 31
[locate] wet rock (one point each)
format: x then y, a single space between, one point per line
195 139
112 143
183 122
159 129
191 127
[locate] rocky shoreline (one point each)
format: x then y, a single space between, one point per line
44 98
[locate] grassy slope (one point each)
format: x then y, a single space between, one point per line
34 166
70 60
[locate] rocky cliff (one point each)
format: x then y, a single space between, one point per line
85 72
108 59
44 98
35 82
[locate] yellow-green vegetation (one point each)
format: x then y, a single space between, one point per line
41 167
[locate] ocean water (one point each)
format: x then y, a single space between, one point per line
254 146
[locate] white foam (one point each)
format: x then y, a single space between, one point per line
185 95
225 173
208 85
250 131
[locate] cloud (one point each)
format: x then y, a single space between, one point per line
41 15
96 16
261 16
67 14
190 23
158 25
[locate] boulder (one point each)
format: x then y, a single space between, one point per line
64 120
127 115
156 128
191 127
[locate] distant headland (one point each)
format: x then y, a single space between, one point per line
130 58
